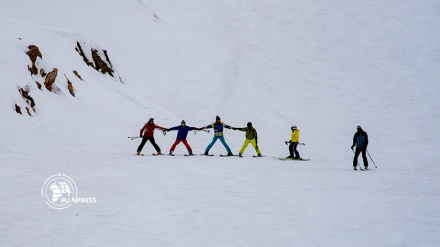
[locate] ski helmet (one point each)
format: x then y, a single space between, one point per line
293 127
249 125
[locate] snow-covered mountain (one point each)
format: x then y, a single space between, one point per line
325 66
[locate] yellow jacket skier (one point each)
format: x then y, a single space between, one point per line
294 140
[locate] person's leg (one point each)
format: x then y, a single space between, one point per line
141 146
364 157
155 145
254 144
246 143
214 139
174 145
356 155
188 147
295 151
291 150
222 139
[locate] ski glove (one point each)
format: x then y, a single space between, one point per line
352 147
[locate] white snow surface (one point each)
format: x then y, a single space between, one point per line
325 66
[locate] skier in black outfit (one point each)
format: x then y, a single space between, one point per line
360 140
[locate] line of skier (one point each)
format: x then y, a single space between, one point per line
360 139
147 134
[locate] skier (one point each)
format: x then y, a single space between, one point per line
147 134
251 137
294 140
360 140
218 126
181 136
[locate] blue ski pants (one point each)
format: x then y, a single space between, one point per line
222 139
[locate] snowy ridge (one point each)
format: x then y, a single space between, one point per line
324 66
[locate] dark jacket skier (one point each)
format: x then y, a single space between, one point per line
360 140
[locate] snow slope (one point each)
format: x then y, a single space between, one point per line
324 66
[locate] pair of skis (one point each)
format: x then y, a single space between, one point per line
225 155
286 158
154 154
183 155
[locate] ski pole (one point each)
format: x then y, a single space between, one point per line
300 143
358 163
195 131
371 158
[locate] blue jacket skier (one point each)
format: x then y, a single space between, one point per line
182 133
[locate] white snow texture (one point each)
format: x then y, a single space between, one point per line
324 66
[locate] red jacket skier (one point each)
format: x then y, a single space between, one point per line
147 134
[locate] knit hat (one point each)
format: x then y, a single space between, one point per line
359 127
249 125
294 127
217 118
151 120
183 122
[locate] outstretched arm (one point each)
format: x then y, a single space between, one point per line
161 128
173 128
206 127
234 128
